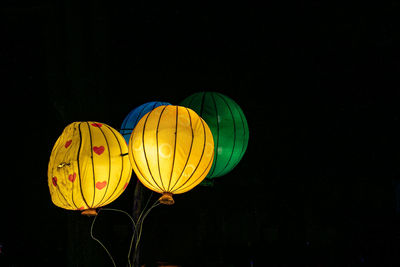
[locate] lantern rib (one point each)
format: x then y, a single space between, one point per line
200 176
244 145
190 151
91 157
234 137
211 173
173 159
144 152
140 172
134 161
79 168
122 169
201 158
109 166
158 152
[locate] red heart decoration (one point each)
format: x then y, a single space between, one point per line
72 177
101 185
54 180
98 150
97 125
68 143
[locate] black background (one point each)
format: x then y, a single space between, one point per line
317 81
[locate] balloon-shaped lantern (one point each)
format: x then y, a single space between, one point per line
228 126
89 167
135 115
171 150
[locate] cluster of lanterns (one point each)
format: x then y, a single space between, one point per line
171 149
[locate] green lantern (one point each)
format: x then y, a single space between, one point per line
228 126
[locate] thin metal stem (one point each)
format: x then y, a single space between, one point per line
134 232
91 234
140 228
91 230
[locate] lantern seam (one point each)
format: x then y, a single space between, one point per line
211 173
245 141
190 150
122 170
135 163
234 138
173 159
158 152
109 167
194 182
201 158
79 169
91 157
73 184
144 151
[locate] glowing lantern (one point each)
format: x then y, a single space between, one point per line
88 167
228 126
171 150
135 115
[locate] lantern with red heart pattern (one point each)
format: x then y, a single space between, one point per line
88 167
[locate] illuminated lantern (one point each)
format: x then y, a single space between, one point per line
171 150
88 167
228 126
135 115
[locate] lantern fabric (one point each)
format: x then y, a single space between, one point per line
135 115
171 150
88 167
228 125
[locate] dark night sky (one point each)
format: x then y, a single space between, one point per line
317 81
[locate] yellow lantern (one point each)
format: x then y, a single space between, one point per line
171 150
88 167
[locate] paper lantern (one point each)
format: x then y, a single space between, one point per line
228 126
89 167
135 115
171 150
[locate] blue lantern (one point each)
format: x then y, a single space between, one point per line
135 115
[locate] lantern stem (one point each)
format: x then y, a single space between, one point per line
89 212
166 199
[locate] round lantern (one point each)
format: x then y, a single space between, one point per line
171 150
88 167
228 126
135 115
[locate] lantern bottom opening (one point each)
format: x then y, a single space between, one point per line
89 212
166 199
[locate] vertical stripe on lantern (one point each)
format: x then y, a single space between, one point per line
79 166
189 154
109 167
114 136
144 151
182 186
234 136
